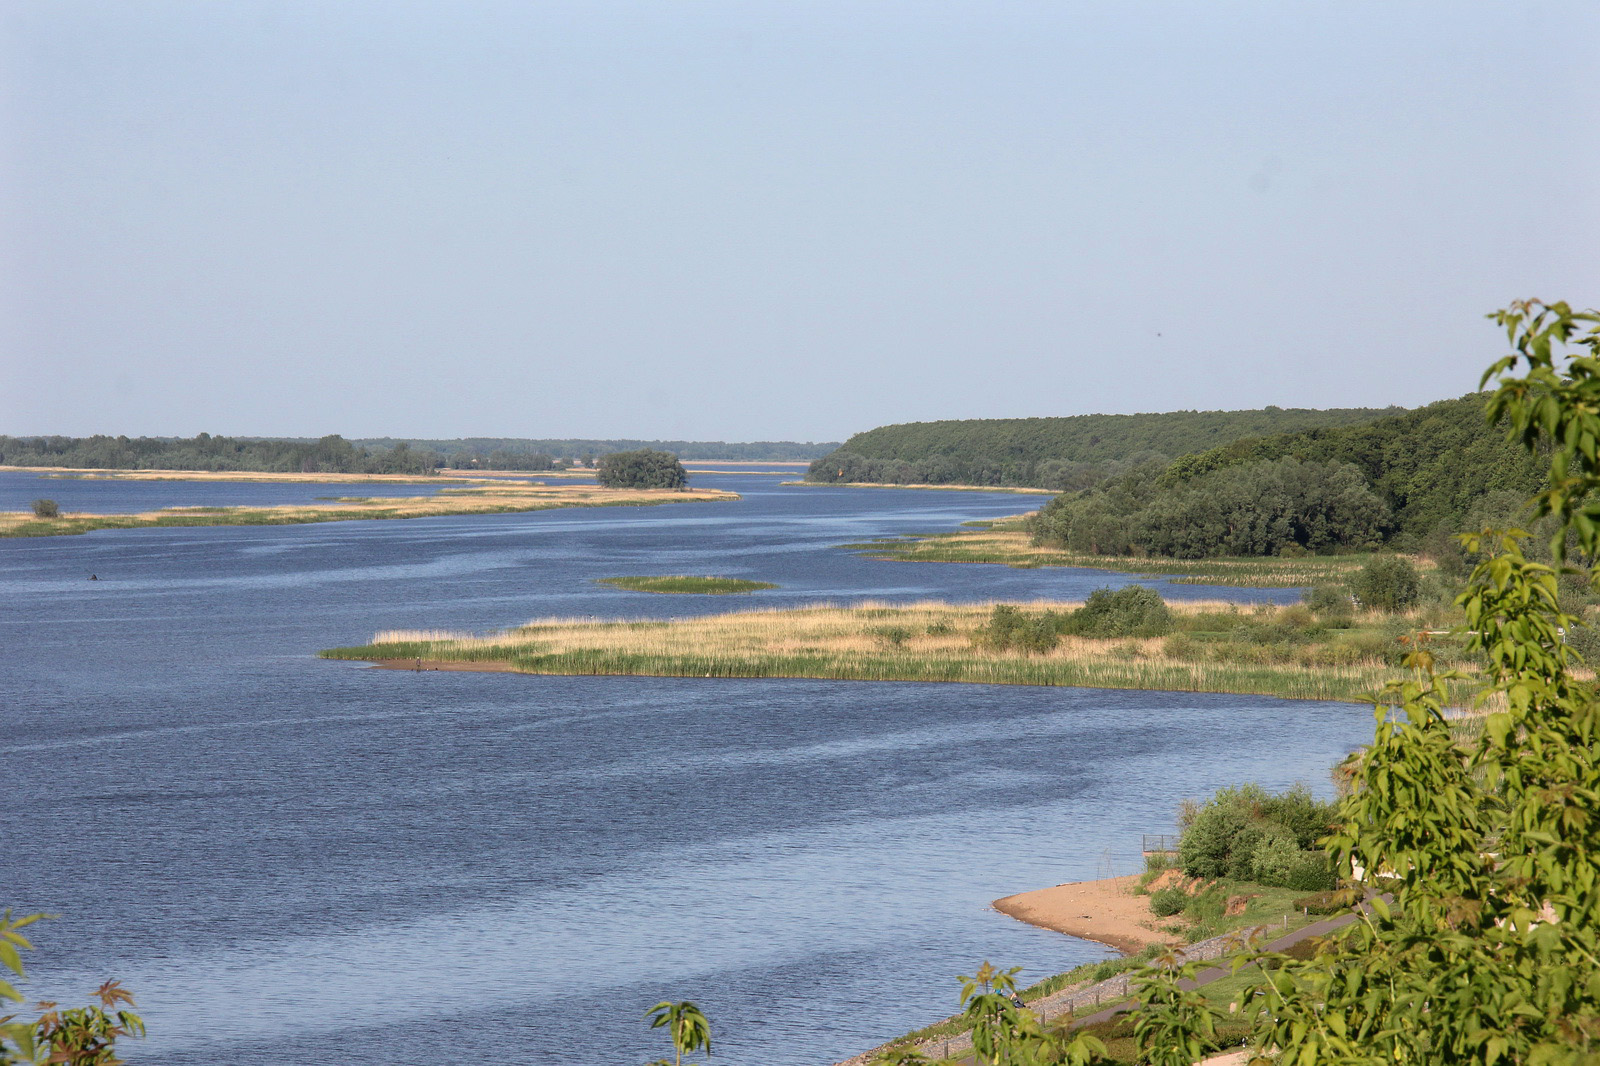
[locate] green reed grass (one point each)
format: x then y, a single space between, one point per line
1284 680
983 547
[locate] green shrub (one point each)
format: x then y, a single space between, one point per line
1328 601
45 509
1131 611
1206 906
1009 628
1222 836
1165 902
1312 872
1322 903
1387 583
1182 646
1274 859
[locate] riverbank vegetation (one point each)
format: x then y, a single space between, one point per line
683 583
1009 542
499 498
1410 481
1053 453
1204 647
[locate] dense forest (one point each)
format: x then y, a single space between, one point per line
462 451
1072 452
329 455
1407 481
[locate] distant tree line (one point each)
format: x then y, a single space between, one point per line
329 455
1408 481
1056 453
385 455
482 449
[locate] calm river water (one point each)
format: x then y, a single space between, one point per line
296 861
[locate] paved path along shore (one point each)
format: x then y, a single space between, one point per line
1111 997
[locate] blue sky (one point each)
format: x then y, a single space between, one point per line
705 220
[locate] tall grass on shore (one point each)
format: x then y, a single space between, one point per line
918 642
1007 543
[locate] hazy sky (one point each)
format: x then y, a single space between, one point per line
761 220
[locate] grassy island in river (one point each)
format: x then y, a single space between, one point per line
686 584
503 497
1210 647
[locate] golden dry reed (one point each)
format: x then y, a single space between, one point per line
872 641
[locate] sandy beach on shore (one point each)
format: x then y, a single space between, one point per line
1104 911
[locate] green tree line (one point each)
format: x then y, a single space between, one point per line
329 455
1408 481
1057 453
461 451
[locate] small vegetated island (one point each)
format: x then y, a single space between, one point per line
686 584
1327 648
632 479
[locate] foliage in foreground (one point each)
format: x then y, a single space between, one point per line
72 1036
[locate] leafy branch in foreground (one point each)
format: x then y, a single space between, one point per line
1483 945
685 1024
76 1036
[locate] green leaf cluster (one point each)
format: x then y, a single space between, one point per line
73 1036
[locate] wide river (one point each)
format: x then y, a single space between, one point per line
294 861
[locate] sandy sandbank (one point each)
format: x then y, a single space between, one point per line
1103 911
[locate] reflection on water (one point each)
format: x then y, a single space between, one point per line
282 855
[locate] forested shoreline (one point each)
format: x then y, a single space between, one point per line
329 455
1408 481
1067 453
334 454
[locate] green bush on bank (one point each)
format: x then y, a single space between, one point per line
1248 834
1132 611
